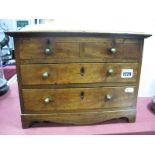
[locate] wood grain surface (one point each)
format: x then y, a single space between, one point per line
77 79
77 99
76 73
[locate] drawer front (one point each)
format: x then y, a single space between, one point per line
89 48
78 73
108 50
46 100
49 48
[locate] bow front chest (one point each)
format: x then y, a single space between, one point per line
77 77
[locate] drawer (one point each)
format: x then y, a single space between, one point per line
49 48
86 48
46 100
37 74
110 50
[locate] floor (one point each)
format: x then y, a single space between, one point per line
10 122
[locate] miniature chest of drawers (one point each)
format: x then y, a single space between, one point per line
77 77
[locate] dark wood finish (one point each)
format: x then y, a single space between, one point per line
78 87
77 49
73 60
77 34
77 99
102 50
81 118
71 73
32 48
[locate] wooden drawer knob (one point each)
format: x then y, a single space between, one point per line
113 50
45 75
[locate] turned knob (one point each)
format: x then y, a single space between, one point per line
47 51
47 100
110 71
113 50
45 75
108 97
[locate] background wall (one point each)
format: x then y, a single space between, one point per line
110 15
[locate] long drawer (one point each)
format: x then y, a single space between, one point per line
71 73
48 100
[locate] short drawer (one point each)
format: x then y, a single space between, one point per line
110 50
47 100
49 48
37 74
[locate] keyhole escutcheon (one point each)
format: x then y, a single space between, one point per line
82 71
82 94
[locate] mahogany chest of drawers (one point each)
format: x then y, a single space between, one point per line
77 77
